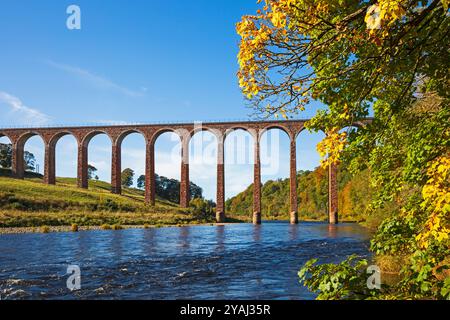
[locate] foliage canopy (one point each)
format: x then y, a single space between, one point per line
389 59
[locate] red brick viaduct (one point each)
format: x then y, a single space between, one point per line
51 135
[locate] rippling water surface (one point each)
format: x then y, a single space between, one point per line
238 261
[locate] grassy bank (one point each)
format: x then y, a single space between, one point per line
30 203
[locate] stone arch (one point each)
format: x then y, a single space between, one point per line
19 152
57 136
199 149
303 129
308 159
275 163
50 174
239 154
4 135
23 138
161 131
252 131
9 142
154 163
83 155
275 126
216 132
118 157
286 147
88 137
126 133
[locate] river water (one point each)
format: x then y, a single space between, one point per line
238 261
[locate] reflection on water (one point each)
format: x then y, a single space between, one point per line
200 262
332 231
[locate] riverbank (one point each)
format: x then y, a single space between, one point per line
47 229
115 227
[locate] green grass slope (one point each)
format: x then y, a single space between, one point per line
30 203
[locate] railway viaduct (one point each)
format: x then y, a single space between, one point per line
83 134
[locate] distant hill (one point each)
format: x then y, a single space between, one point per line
312 189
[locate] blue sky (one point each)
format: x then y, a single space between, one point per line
133 61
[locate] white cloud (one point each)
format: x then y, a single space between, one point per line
95 80
21 113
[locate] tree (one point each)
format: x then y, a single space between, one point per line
195 191
202 207
297 50
91 171
169 189
293 52
312 192
141 182
6 157
127 177
30 161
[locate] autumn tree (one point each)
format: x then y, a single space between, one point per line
389 59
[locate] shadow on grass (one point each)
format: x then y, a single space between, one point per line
8 174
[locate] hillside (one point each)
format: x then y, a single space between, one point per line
30 203
312 188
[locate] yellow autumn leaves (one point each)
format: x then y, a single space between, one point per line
255 32
278 16
331 146
436 200
383 14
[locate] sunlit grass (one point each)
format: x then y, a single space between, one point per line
31 203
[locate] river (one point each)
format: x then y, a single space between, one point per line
235 261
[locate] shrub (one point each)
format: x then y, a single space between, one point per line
105 227
45 229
